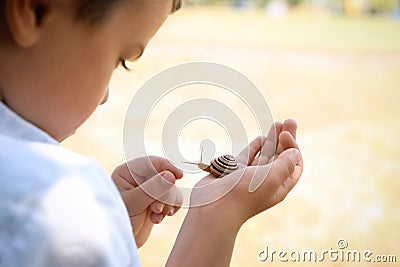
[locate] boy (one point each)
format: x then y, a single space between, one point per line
61 209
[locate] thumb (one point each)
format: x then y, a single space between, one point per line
282 168
139 198
286 141
286 162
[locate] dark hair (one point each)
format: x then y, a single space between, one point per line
91 11
94 11
3 27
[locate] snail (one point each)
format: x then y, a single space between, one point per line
219 166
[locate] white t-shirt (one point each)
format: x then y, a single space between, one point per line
57 208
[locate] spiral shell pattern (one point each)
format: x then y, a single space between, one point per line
223 165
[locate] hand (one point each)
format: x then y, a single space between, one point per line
208 234
156 176
272 167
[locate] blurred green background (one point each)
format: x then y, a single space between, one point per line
334 66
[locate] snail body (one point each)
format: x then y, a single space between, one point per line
219 166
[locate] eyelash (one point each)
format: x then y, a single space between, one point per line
122 62
177 6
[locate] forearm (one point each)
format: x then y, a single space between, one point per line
207 238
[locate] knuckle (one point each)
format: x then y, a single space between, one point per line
290 167
151 158
261 139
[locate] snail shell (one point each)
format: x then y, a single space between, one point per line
220 166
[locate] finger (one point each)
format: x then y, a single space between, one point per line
145 167
123 178
169 197
298 170
139 198
157 207
172 199
174 210
168 210
286 141
156 218
162 164
249 153
286 163
175 204
269 147
290 126
121 182
289 183
280 169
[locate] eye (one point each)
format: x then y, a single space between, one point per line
122 62
176 5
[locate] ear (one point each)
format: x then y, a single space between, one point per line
25 20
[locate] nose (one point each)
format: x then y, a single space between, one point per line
105 97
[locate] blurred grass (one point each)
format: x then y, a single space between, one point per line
338 77
303 28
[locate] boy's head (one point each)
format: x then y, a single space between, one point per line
57 56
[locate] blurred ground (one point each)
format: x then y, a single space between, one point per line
338 77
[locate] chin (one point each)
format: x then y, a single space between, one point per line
66 136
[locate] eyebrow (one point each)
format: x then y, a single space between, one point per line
176 5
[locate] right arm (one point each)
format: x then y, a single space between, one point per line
208 233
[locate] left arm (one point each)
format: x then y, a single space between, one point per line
156 177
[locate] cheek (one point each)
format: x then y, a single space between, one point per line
85 90
67 79
93 88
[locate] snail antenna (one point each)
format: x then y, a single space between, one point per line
200 164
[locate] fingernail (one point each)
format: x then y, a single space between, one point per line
159 207
159 217
171 212
167 177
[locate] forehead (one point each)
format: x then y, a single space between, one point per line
96 11
136 21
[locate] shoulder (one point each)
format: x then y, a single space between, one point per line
60 206
40 159
36 167
39 171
